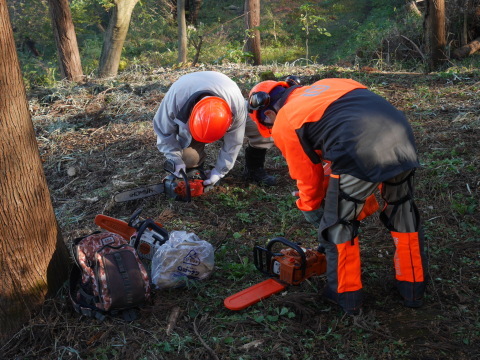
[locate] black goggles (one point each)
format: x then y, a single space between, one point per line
258 100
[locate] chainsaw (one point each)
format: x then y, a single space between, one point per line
290 266
146 236
182 190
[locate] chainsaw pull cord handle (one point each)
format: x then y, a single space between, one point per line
298 249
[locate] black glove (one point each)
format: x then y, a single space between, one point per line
314 216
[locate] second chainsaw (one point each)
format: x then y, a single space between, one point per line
289 266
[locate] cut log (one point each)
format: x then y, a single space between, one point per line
467 50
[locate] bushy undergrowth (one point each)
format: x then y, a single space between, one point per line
374 33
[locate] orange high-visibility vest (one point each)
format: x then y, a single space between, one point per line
303 105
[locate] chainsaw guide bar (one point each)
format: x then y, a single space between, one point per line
140 193
253 294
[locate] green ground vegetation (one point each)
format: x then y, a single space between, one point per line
102 131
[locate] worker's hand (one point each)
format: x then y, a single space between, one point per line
179 168
213 177
314 217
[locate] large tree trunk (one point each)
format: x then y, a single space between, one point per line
467 50
66 40
436 38
115 37
33 257
182 32
252 22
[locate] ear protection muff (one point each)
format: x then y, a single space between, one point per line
260 98
260 95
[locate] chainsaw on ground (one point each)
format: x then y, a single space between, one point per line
290 266
146 236
180 190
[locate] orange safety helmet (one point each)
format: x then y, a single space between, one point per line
210 119
259 99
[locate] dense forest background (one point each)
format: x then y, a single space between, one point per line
387 35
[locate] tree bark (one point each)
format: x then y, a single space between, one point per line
467 50
464 34
192 8
66 40
252 22
33 257
115 37
436 39
182 32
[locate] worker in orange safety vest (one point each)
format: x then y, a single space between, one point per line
370 145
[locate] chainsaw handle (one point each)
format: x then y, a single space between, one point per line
149 223
188 192
298 249
134 218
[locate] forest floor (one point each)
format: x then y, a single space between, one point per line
97 139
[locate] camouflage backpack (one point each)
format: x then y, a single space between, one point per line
108 277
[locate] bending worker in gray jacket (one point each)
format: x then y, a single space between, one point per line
203 107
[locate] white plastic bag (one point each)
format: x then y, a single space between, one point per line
183 256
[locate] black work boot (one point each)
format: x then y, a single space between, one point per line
254 171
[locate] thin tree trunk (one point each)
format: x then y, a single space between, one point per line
66 40
192 8
464 37
435 33
115 37
33 257
182 32
252 22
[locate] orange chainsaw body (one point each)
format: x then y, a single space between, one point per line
288 266
196 188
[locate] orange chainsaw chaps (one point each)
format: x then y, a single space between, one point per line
116 226
196 188
253 294
408 258
349 266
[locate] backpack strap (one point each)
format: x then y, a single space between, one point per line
83 309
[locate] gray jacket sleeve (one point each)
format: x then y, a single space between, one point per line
232 143
172 134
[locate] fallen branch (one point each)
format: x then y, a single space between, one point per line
205 345
415 46
172 319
